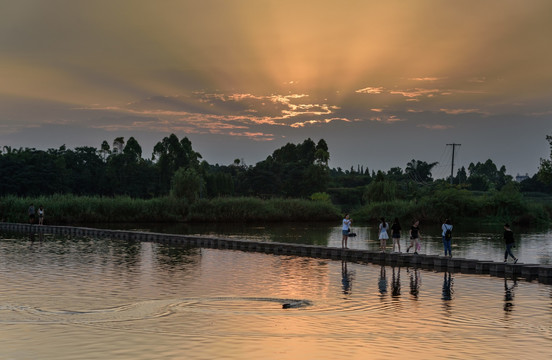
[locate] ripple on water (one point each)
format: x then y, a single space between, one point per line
149 309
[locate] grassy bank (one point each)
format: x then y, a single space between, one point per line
67 209
462 205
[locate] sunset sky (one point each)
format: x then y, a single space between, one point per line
383 82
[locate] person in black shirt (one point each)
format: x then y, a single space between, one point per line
414 237
509 241
396 234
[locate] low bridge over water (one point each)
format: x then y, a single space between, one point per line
542 273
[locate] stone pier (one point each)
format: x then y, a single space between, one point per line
429 262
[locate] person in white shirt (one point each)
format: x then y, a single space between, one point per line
447 237
345 230
383 236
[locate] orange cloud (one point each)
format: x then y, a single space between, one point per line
462 111
370 90
435 126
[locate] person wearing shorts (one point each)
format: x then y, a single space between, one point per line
414 237
396 234
383 236
345 230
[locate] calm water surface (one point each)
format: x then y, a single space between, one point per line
81 298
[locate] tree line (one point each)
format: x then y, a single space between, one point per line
292 171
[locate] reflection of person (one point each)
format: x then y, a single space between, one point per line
345 230
447 286
396 234
346 279
382 282
414 237
509 295
396 283
414 281
447 237
40 215
509 241
31 212
383 236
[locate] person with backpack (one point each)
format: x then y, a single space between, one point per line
447 237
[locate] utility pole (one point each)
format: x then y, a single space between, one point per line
452 165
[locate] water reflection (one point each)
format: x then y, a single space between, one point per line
447 286
172 259
415 281
396 283
447 291
84 297
509 294
346 278
382 281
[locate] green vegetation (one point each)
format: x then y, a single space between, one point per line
506 205
69 209
294 183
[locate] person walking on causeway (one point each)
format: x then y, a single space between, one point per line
509 241
396 234
447 237
414 237
383 236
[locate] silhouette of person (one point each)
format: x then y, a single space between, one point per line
31 212
510 243
396 234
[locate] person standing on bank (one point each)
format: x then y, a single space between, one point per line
509 241
396 234
414 237
31 212
345 230
40 215
447 237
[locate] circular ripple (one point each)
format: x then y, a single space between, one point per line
145 309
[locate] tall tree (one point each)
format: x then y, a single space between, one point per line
545 168
420 171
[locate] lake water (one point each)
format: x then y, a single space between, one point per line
483 242
82 298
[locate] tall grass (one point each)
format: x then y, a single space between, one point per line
67 209
493 207
237 209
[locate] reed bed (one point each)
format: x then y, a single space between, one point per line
68 209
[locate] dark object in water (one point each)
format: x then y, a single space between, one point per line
295 304
351 234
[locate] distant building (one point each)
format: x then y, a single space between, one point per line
520 178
